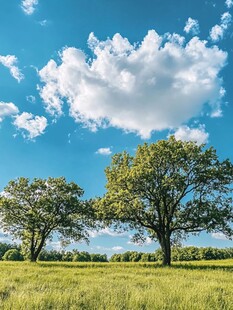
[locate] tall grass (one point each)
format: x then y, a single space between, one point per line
115 286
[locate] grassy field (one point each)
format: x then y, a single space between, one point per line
115 286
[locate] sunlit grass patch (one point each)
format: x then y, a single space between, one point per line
114 286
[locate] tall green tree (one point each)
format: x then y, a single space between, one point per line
167 190
32 211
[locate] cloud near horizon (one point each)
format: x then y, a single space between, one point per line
158 84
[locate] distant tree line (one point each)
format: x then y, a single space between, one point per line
13 252
71 256
177 253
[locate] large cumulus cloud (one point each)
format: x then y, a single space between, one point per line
158 84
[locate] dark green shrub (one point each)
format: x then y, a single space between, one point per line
13 255
81 257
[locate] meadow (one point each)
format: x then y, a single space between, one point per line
199 285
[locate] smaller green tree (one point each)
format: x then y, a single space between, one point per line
115 258
33 211
13 255
4 247
101 258
51 255
82 257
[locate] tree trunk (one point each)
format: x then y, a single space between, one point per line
32 247
165 243
33 258
36 251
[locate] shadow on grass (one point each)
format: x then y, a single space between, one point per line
116 265
203 267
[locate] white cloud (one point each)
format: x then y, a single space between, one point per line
229 3
192 26
219 236
217 109
113 249
104 151
10 62
226 20
31 99
148 241
33 125
6 237
106 232
198 135
218 31
145 242
7 109
29 6
156 85
43 22
55 245
117 248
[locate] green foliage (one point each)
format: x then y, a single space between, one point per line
190 253
67 256
101 258
32 211
167 190
13 255
148 257
4 247
50 256
71 256
115 258
204 253
81 257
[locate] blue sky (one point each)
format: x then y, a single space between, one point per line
81 80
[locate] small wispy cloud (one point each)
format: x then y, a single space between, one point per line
31 99
104 151
29 6
7 109
34 126
10 62
55 245
217 32
229 3
116 248
146 241
219 235
43 22
106 232
192 26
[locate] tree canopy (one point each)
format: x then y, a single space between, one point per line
169 189
32 211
